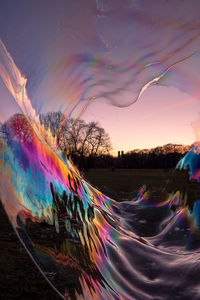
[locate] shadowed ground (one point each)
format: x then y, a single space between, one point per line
123 184
20 278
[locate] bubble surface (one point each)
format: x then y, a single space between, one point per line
87 245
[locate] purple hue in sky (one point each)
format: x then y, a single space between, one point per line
74 50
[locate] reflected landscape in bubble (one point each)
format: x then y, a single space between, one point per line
86 244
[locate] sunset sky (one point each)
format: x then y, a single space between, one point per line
149 122
71 51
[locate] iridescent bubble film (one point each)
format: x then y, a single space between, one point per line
62 57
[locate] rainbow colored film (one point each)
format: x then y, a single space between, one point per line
87 245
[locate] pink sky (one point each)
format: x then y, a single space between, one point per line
162 115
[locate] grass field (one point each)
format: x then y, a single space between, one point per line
124 183
19 277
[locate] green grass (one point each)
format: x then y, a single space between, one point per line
124 184
126 181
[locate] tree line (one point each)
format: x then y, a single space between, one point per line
89 146
150 160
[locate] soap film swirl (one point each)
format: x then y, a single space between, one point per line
87 245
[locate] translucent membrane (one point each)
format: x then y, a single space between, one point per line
118 51
87 245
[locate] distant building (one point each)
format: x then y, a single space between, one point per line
118 154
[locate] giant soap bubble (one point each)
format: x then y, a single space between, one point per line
87 245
